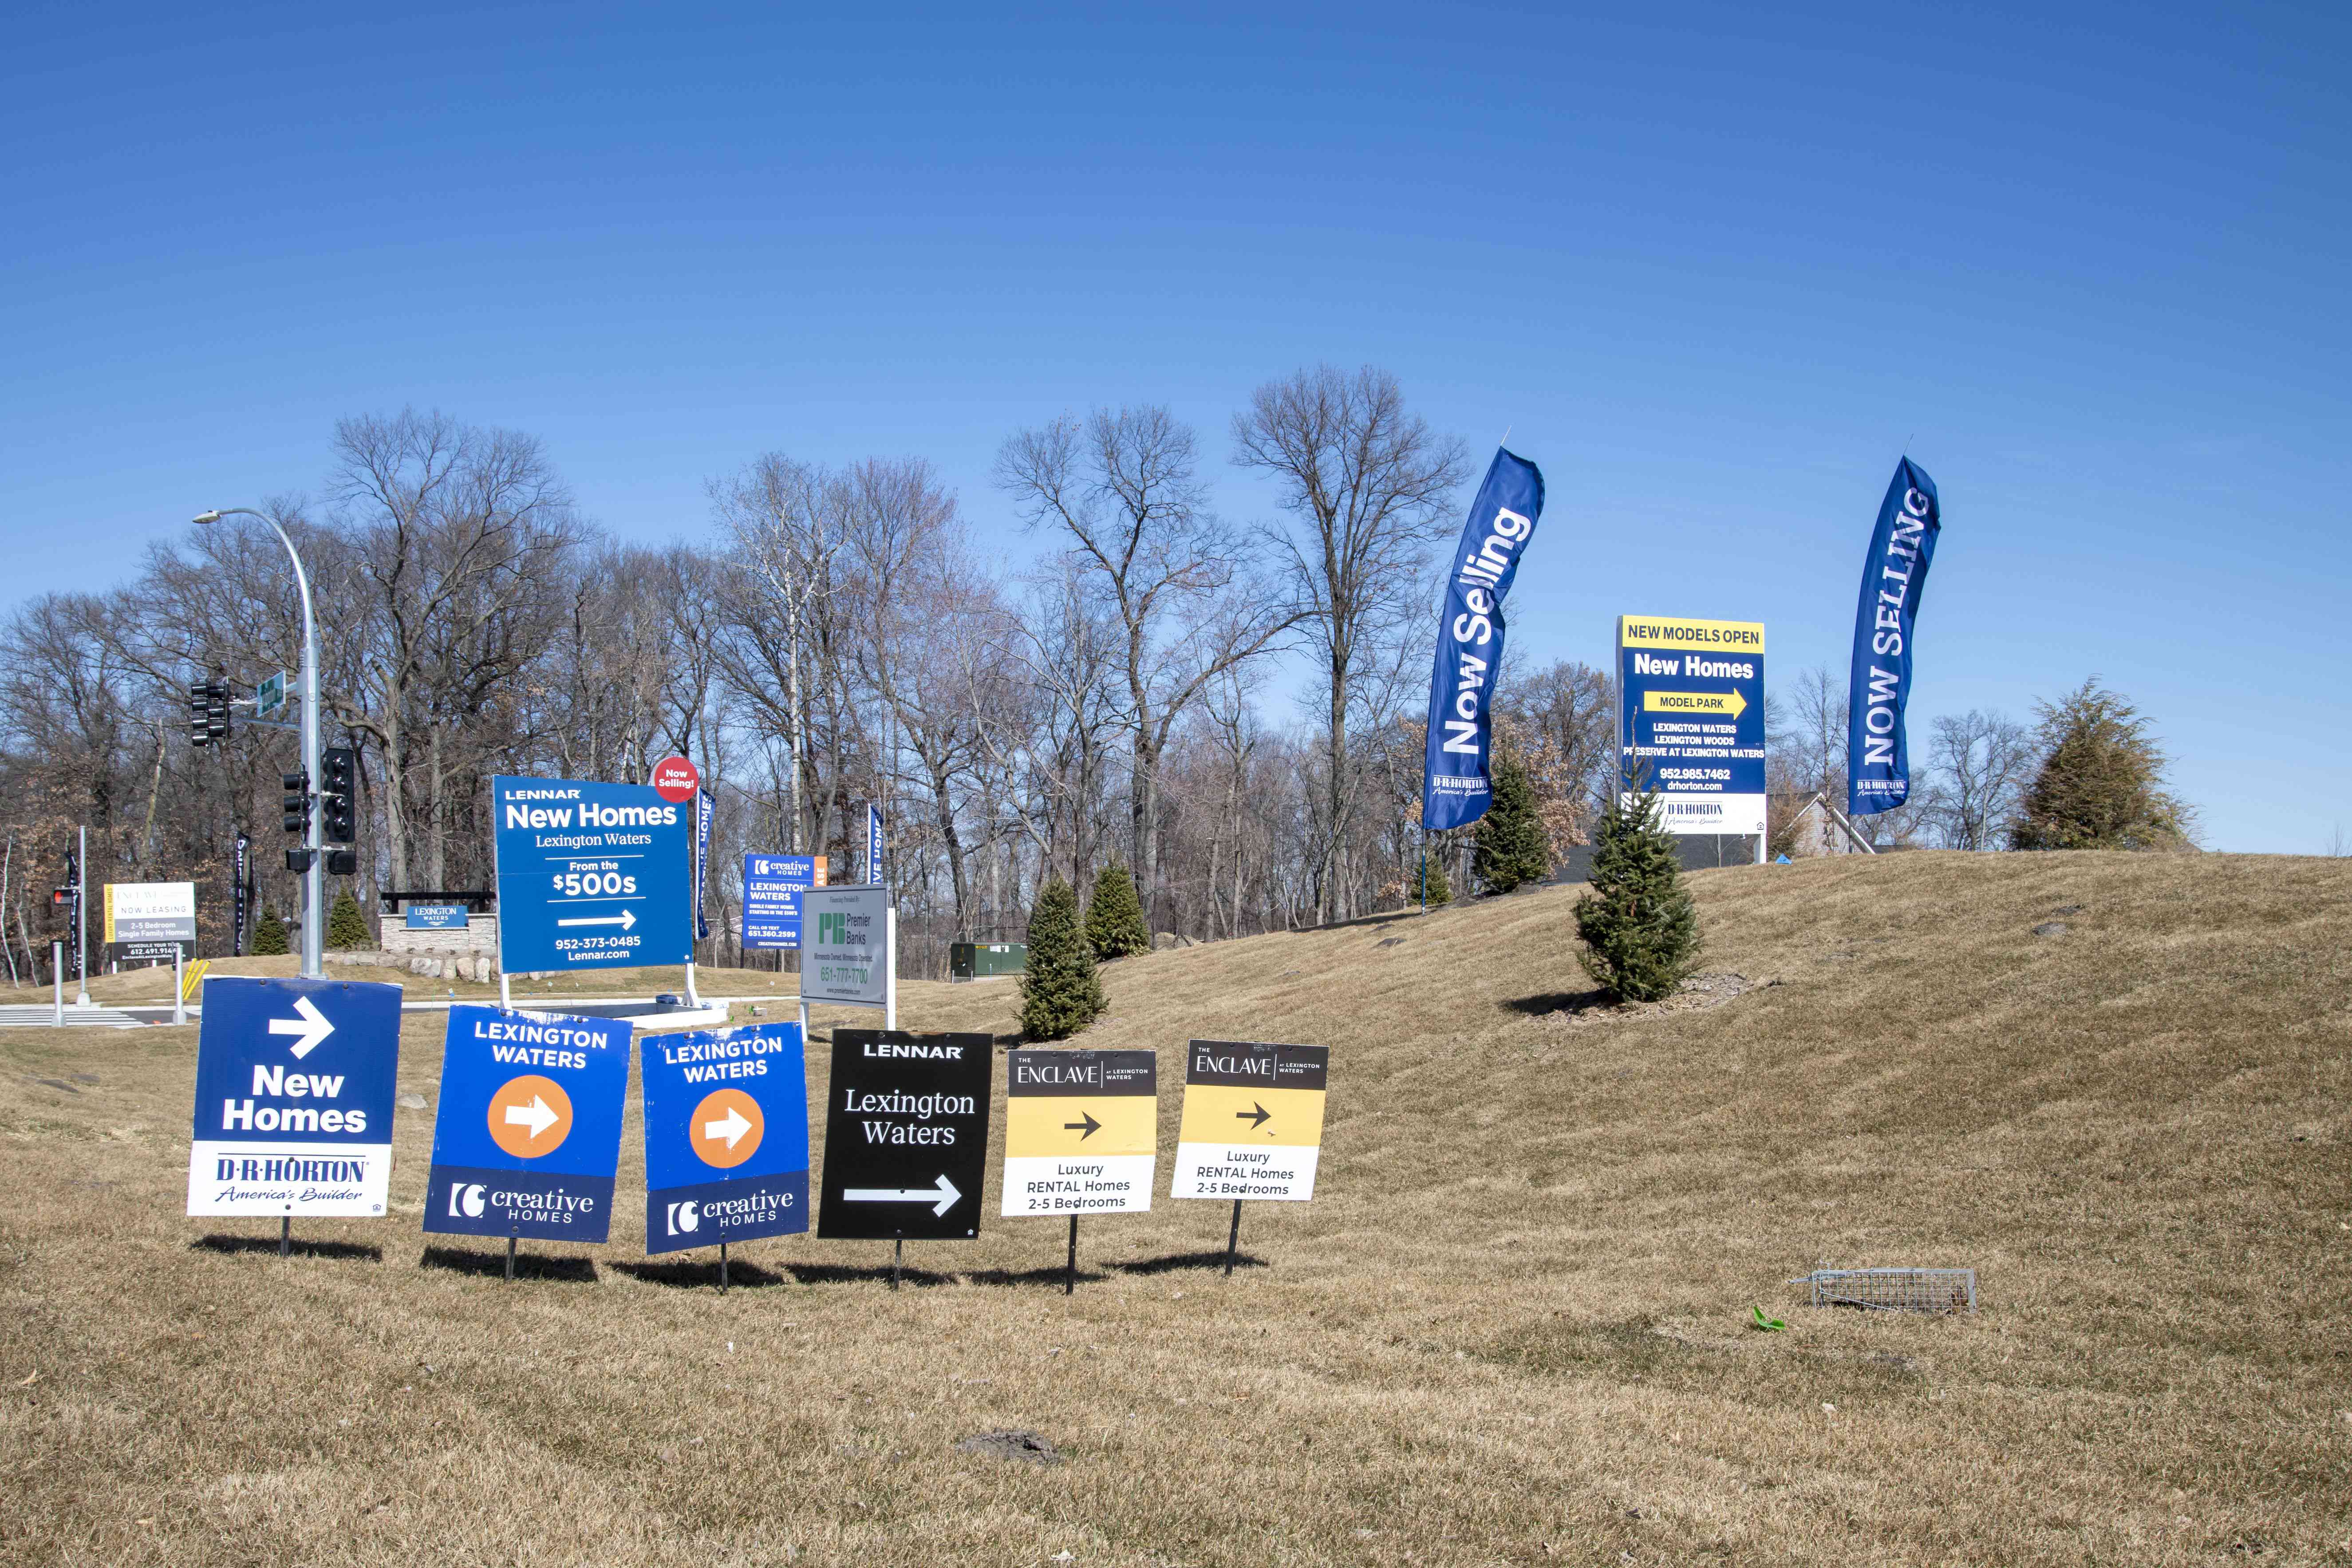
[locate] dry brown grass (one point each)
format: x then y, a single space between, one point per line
1509 1330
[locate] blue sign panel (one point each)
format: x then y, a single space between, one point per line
437 917
873 842
772 886
591 876
727 1144
294 1086
529 1131
1690 721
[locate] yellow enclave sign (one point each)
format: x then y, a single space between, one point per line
1729 702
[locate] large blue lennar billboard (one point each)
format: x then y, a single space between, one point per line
1690 719
591 876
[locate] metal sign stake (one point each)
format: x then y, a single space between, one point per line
511 1255
722 1268
1070 1270
897 1256
1233 1238
286 1236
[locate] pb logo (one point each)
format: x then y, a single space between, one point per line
832 928
466 1200
684 1217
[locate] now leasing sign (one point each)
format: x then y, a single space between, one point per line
845 945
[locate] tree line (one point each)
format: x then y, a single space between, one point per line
836 635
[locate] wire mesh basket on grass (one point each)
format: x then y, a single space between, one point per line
1893 1290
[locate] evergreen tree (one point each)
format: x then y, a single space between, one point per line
268 935
1640 929
1060 990
2101 784
346 929
1115 925
1441 891
1512 848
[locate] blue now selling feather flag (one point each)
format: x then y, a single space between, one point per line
1455 787
1893 575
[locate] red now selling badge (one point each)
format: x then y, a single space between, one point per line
675 779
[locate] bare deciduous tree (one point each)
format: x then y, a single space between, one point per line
1369 485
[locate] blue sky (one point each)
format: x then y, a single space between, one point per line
1713 266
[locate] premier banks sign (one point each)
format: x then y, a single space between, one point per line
1690 719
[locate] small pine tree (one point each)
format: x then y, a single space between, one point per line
1640 929
268 935
1060 990
346 929
1441 891
1115 925
2101 782
1512 848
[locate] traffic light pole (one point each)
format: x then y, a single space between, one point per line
314 879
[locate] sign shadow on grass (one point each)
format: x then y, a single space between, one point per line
845 1274
697 1275
1181 1260
526 1265
1054 1276
299 1248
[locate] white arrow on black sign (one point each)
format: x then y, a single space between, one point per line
312 1025
941 1197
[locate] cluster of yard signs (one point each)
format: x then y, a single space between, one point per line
294 1105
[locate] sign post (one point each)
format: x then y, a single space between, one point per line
727 1145
1690 722
1253 1125
294 1087
1081 1136
527 1135
905 1137
591 876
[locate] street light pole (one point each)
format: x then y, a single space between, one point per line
314 879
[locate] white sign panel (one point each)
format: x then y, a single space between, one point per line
845 945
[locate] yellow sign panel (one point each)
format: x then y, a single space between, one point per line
1725 702
1253 1123
1680 632
1081 1132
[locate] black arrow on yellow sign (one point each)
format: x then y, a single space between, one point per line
1090 1125
1255 1121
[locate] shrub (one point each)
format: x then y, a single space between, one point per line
2100 782
346 929
1060 990
1115 925
1640 929
268 935
1512 848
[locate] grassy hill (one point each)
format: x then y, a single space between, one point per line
1510 1328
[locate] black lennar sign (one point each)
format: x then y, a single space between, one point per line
906 1136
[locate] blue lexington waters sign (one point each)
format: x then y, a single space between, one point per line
727 1143
1690 719
772 886
529 1131
591 876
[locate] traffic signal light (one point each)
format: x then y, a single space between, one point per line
338 782
297 804
207 713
